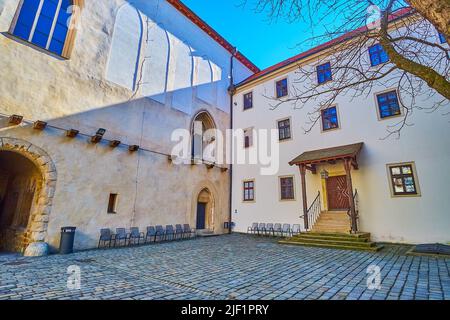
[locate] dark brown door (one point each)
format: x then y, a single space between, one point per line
337 193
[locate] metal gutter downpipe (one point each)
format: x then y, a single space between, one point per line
231 91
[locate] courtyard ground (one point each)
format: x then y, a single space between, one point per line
226 267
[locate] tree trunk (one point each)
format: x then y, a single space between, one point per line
435 11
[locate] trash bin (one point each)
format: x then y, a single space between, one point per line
67 238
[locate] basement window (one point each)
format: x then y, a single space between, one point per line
112 203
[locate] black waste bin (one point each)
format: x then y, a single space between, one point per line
67 237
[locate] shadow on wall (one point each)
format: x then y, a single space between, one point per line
152 57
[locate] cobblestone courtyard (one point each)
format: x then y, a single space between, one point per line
226 267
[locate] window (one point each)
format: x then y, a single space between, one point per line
388 105
112 203
330 118
248 100
324 73
403 179
377 55
284 129
442 38
44 23
248 138
287 188
282 88
249 190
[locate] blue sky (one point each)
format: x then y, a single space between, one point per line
264 42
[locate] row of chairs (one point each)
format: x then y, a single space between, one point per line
271 229
153 234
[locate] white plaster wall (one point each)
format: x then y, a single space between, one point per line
423 219
80 93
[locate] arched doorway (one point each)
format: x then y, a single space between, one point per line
27 188
20 184
205 207
203 135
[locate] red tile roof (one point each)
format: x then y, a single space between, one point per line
212 33
396 15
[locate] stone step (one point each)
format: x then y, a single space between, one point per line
340 242
332 246
331 229
330 237
339 234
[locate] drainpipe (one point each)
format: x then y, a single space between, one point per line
231 91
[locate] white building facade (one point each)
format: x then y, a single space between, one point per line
402 183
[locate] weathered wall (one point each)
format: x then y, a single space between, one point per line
93 89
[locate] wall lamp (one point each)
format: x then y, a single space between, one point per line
39 125
15 119
114 143
98 136
133 148
72 133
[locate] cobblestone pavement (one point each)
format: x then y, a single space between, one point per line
227 267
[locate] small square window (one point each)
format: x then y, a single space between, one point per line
388 104
248 100
324 73
248 138
442 38
282 88
330 119
284 129
112 203
403 179
249 190
377 55
287 188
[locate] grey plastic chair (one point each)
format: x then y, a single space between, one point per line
269 229
151 234
170 232
261 228
253 229
179 232
106 236
135 234
121 236
277 231
188 231
295 230
286 231
160 233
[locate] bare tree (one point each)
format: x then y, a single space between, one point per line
419 64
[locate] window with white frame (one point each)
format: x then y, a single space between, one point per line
44 23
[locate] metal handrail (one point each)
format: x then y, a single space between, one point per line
314 211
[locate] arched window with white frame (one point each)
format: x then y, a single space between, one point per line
45 23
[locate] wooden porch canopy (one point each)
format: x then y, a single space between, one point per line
308 161
329 155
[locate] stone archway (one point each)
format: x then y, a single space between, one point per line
205 209
206 192
32 226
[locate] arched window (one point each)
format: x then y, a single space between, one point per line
203 136
44 23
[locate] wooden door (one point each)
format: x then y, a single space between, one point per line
337 194
201 216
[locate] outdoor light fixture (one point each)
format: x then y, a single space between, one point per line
114 143
15 119
39 125
101 132
133 148
324 174
98 136
72 133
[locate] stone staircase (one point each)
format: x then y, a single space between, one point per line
358 241
332 230
332 221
